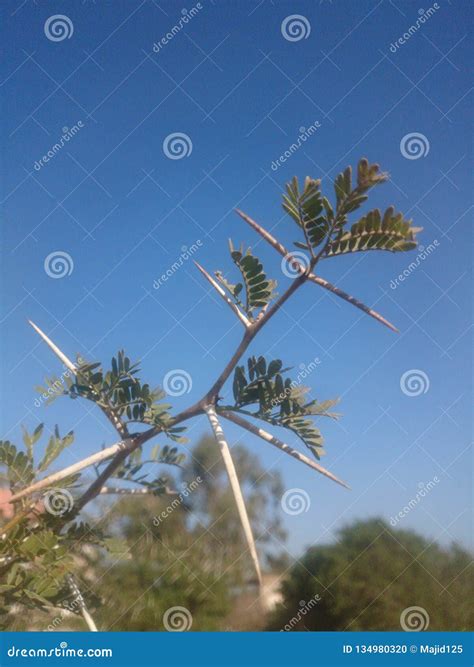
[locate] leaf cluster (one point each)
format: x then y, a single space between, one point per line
278 400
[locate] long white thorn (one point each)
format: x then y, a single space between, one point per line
66 361
79 600
73 368
72 470
235 485
224 296
268 437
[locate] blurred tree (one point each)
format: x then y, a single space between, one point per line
370 576
188 551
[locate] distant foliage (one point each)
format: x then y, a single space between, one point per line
370 575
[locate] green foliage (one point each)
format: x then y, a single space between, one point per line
258 290
323 226
119 392
38 553
193 556
133 468
55 446
374 232
279 401
307 210
369 575
18 464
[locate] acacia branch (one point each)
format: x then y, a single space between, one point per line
235 485
224 296
282 446
115 421
311 276
124 446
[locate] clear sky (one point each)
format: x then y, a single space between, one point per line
122 211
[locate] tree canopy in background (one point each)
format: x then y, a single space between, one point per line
370 575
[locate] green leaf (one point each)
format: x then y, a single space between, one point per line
259 290
19 466
307 209
54 448
372 232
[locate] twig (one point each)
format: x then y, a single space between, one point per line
311 276
235 485
121 428
224 296
248 426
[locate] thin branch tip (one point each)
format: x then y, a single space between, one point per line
235 309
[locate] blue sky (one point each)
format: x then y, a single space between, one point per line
122 210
